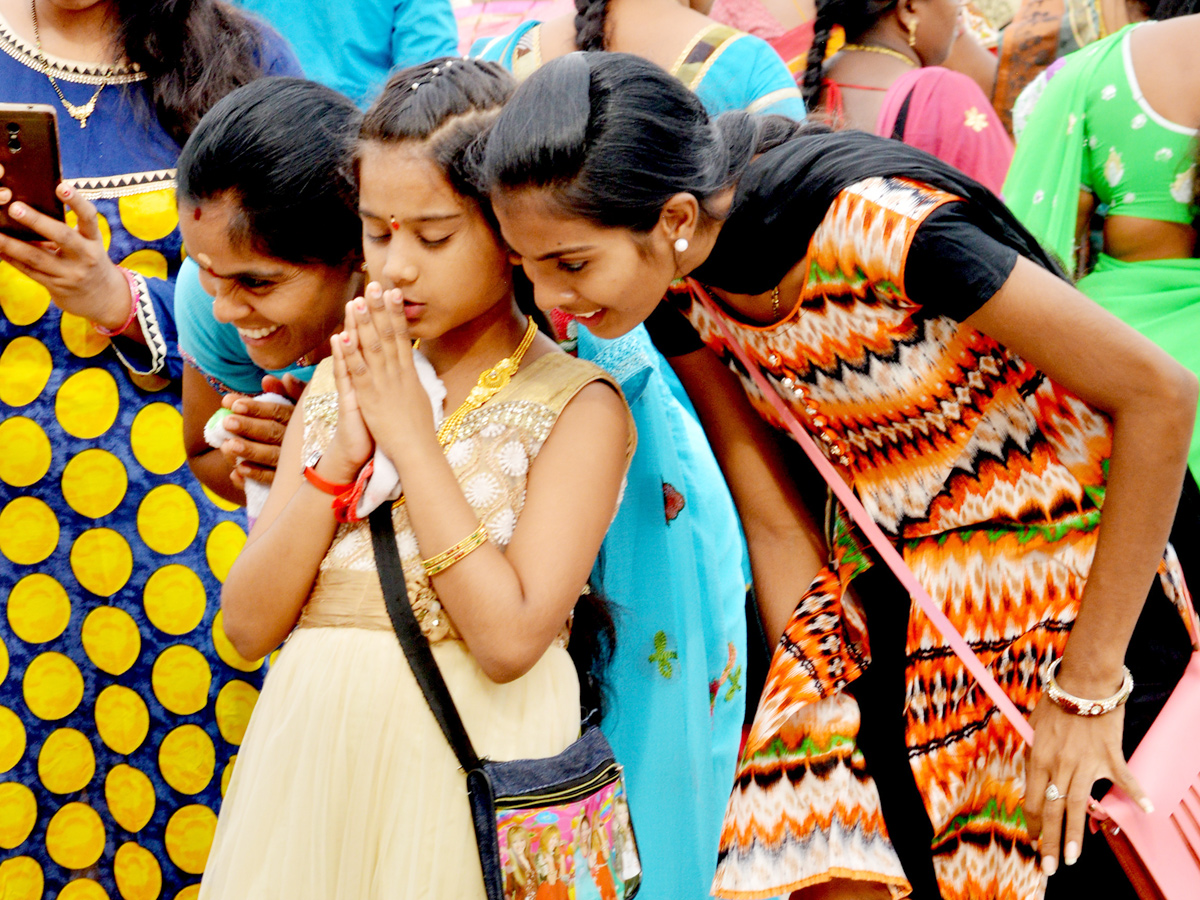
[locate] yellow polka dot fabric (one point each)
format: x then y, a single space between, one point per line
120 706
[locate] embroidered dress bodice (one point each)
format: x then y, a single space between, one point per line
491 457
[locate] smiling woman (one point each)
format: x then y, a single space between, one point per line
266 288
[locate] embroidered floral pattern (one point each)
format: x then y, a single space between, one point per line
662 657
975 120
1114 167
673 502
1183 189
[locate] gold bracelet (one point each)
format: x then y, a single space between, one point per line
440 563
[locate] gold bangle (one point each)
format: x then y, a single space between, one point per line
440 563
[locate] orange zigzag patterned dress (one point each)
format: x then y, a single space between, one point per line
990 477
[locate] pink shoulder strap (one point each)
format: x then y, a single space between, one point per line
883 546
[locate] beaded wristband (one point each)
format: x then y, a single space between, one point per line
1078 706
131 280
440 563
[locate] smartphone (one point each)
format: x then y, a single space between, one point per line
32 168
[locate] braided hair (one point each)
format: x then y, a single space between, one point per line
591 19
856 17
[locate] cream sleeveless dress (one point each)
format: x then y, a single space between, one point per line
345 788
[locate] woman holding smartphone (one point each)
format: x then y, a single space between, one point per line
117 718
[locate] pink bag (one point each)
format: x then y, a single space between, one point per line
1160 851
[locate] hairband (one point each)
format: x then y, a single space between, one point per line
436 71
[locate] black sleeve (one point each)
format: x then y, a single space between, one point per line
954 266
671 332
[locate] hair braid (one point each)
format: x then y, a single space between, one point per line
591 16
823 25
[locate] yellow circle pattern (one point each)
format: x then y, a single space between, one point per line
3 662
25 367
181 679
168 520
75 836
219 502
174 599
18 813
38 609
137 873
130 796
102 561
82 889
188 837
80 337
87 403
94 483
23 300
191 892
227 774
21 878
225 542
187 759
225 649
111 640
149 263
12 740
156 437
53 686
66 762
150 216
235 702
122 718
24 452
28 531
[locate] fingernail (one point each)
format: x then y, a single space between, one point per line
1146 805
237 447
1049 865
67 193
231 424
16 210
361 306
345 337
374 289
1071 854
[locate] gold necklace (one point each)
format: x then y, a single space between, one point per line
78 113
490 382
886 51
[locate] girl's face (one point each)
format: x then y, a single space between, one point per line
611 279
585 833
281 310
421 236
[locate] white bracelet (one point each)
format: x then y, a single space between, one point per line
1079 706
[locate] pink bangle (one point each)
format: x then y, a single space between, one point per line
133 306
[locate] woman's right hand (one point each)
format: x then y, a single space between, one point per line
258 427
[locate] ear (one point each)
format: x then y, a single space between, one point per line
680 218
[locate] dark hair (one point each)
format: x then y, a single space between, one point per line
591 22
280 148
1169 9
445 104
614 137
856 17
193 52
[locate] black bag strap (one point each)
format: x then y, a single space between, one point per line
902 117
413 642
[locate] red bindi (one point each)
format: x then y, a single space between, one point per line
395 224
196 214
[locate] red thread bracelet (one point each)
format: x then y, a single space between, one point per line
131 280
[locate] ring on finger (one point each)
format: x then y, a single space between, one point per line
1053 794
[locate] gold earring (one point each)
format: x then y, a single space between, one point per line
912 31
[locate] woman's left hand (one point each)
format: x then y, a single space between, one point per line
71 263
1071 753
379 359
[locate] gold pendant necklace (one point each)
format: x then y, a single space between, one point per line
490 382
886 51
78 113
